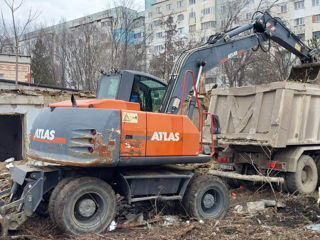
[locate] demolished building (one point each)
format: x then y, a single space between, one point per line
19 106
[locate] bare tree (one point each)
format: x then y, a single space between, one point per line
124 22
252 67
162 62
17 29
86 55
60 53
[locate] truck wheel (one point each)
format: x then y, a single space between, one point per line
317 160
53 197
318 170
207 197
85 205
305 179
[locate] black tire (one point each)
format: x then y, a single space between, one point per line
318 170
53 197
85 205
305 179
317 160
206 190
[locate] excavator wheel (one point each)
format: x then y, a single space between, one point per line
85 205
53 197
207 197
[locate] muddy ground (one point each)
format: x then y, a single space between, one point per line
271 223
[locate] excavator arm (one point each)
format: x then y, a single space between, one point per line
223 46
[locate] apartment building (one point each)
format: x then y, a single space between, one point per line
108 21
193 21
116 38
302 16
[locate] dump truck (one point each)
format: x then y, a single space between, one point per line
82 152
271 130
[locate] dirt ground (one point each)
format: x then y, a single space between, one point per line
271 223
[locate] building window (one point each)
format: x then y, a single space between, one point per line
192 15
299 5
206 11
315 3
299 21
316 34
106 24
192 28
158 10
180 30
159 35
150 15
301 36
180 17
169 6
192 2
137 35
316 18
207 25
158 48
283 8
157 23
180 3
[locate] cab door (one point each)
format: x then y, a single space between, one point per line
151 92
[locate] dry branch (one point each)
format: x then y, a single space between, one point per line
183 231
255 178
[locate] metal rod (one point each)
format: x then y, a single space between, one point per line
198 80
192 103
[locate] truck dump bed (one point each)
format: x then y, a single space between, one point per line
276 114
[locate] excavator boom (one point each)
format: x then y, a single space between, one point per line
223 46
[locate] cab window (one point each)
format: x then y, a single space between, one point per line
108 87
148 92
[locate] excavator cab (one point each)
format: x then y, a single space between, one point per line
142 88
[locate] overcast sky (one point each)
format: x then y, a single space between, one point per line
52 11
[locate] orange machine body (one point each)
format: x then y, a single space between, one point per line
146 134
100 103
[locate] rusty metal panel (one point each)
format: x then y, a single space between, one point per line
65 136
276 114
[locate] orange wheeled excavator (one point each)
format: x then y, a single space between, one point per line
83 152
